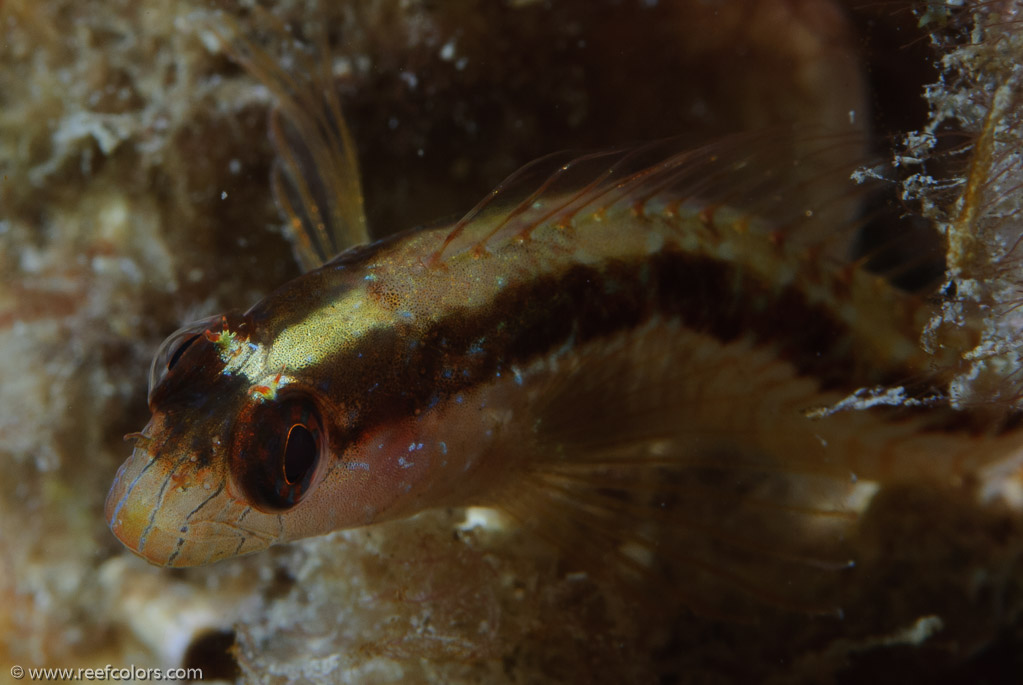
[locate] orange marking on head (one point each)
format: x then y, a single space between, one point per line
178 478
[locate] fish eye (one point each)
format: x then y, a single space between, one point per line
277 450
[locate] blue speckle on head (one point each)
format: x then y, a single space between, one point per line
443 448
411 447
369 277
518 375
459 399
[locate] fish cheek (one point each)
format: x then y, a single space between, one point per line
278 451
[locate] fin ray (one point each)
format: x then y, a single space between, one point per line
316 177
785 180
634 476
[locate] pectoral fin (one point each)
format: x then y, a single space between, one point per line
660 460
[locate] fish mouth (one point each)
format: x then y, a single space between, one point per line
171 514
132 506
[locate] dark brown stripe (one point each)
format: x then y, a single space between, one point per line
397 372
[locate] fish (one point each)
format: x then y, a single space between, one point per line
652 355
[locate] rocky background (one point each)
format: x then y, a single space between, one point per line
134 197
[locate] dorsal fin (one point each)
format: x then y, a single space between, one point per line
316 175
793 183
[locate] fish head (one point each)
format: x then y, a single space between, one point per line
232 448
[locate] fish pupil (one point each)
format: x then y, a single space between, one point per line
299 454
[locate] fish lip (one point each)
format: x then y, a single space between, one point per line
132 510
149 509
124 509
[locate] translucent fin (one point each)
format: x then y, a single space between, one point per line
652 469
796 186
316 176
